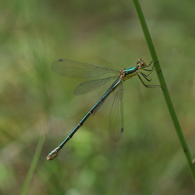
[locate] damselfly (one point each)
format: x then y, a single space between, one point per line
72 68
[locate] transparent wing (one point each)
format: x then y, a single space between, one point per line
71 68
116 115
88 86
103 100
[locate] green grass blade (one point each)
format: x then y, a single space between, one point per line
33 165
165 91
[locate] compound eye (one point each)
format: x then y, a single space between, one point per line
143 64
139 61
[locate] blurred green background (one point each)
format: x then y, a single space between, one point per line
38 108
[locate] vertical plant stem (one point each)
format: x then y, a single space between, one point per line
165 90
33 165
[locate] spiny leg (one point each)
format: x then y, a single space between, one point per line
151 71
145 76
149 86
149 66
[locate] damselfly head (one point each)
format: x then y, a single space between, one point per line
141 64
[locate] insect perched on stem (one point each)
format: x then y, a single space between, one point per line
72 68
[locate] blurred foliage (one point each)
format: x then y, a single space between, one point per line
37 103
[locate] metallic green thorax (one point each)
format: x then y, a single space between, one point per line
130 72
